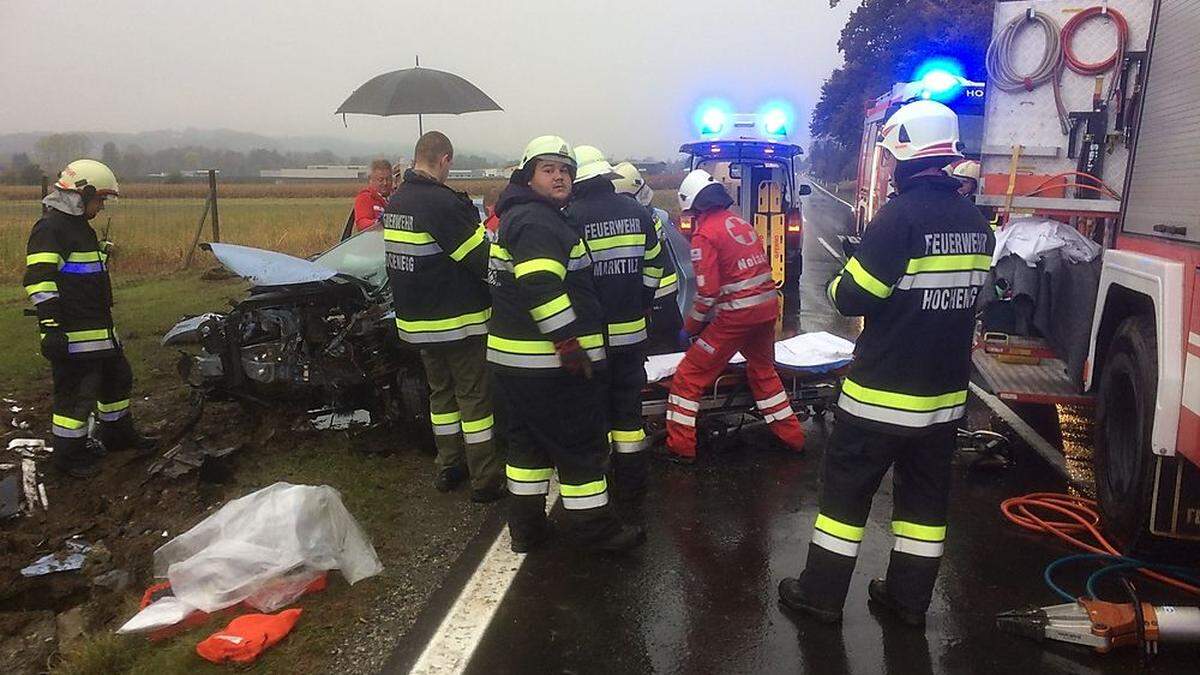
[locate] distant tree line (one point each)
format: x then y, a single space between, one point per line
133 163
884 42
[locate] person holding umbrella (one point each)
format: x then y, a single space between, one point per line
546 344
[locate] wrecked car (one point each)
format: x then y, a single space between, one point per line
316 332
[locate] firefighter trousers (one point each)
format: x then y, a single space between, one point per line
705 361
853 467
82 386
557 423
460 409
626 378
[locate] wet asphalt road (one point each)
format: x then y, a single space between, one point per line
700 596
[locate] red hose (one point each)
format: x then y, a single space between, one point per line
1081 518
1099 67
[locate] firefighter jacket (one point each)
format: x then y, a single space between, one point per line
733 275
542 288
66 278
436 261
627 258
669 284
914 279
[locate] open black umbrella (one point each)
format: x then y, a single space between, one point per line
417 91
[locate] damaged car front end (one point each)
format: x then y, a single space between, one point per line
316 333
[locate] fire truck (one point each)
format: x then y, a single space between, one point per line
1106 142
750 155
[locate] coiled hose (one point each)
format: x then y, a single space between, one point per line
1100 67
1003 70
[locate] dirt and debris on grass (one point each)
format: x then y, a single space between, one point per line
127 514
64 622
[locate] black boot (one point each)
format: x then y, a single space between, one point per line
122 435
624 538
878 592
450 478
72 457
792 596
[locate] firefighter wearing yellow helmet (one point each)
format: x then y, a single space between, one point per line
66 279
547 347
914 279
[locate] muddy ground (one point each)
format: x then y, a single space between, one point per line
126 514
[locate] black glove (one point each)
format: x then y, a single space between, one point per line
54 344
574 360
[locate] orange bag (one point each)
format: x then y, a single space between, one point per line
247 636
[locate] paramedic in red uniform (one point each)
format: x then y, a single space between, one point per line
373 199
735 309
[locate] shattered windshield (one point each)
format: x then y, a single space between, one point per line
360 256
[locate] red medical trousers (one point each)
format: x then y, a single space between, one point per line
705 361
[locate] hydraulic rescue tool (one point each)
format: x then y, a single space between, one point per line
1104 626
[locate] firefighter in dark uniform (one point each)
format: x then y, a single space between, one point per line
627 265
546 345
666 320
914 279
66 278
437 256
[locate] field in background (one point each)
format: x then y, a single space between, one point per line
153 224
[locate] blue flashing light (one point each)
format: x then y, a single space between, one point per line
941 79
713 121
776 118
775 122
713 117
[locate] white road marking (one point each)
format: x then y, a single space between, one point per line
452 645
839 199
1194 339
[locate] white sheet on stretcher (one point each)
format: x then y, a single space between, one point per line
808 350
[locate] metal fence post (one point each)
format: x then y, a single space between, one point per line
45 189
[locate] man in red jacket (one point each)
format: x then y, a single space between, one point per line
735 309
373 199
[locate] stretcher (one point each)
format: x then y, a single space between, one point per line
810 366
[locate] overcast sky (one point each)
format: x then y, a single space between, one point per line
625 76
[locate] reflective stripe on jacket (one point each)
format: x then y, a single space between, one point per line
733 274
436 261
915 279
66 279
542 287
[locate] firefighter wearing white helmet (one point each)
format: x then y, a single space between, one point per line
547 347
735 309
627 266
667 316
66 279
914 278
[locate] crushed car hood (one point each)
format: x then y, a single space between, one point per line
269 268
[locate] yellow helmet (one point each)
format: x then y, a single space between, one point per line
592 164
551 148
632 183
84 173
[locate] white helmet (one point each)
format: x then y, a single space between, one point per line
550 148
693 184
88 173
631 183
921 129
965 169
591 164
